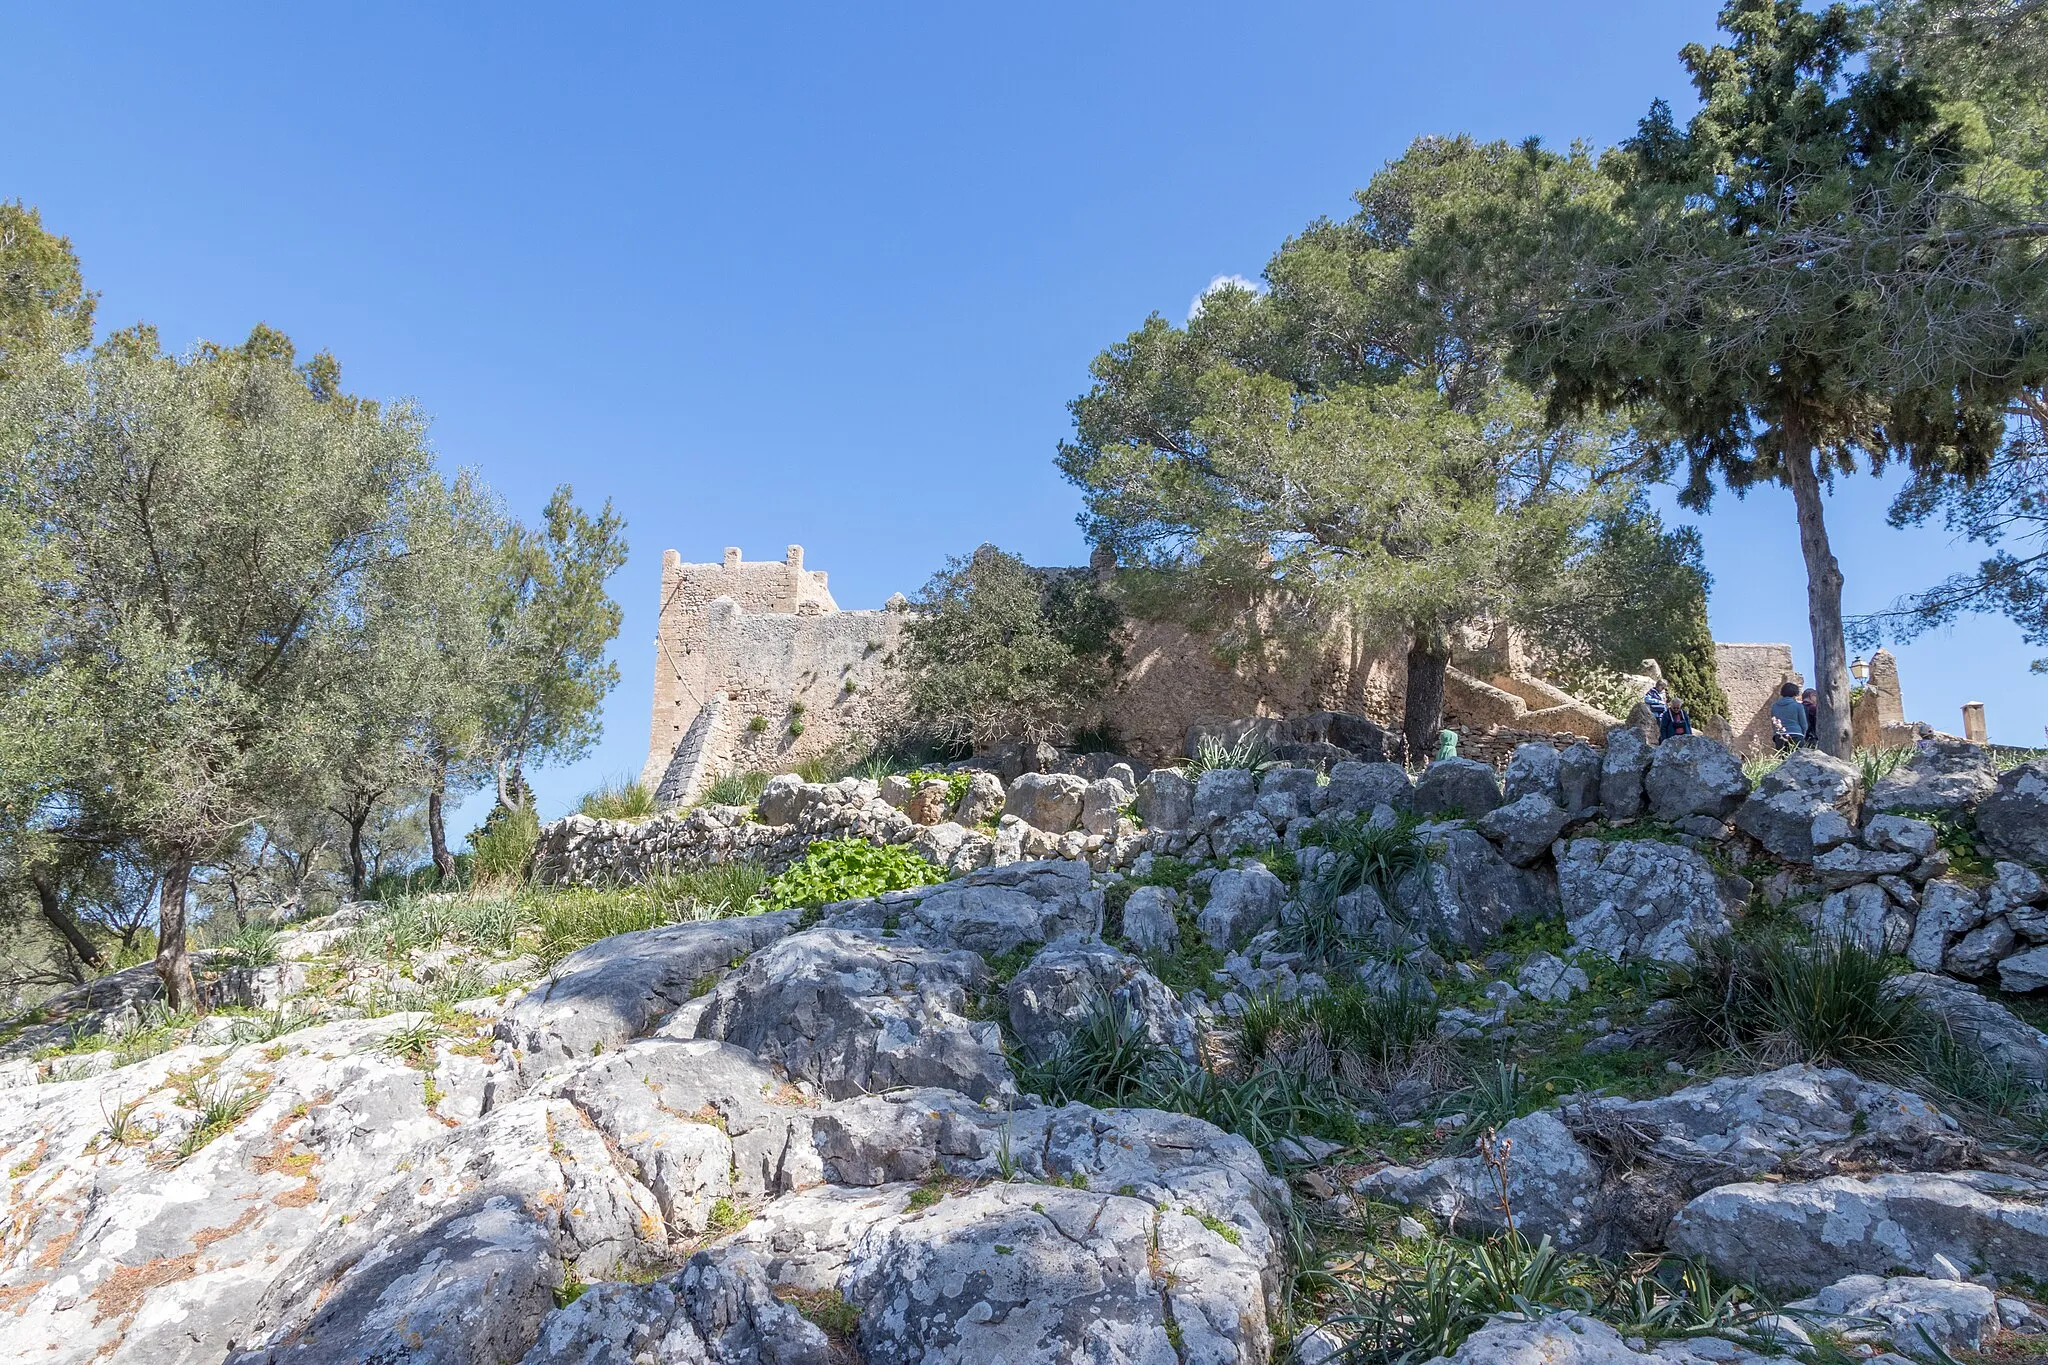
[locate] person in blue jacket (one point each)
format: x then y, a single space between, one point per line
1788 718
1665 705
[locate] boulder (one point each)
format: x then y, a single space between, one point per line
1548 977
1948 910
991 910
1850 864
1622 770
1461 786
1942 774
2020 885
1469 893
1533 770
1525 828
1694 775
1242 901
1901 834
1047 801
1248 833
621 987
1286 794
1166 799
930 803
2024 972
779 799
1806 1234
1222 794
982 801
1638 899
1781 813
1102 805
1578 778
1573 1338
852 1013
2005 1040
1071 976
1552 1184
1149 922
2013 818
721 1307
1977 952
1357 788
1864 915
1903 1312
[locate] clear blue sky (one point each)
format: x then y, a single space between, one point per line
765 274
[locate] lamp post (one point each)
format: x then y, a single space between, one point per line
1860 670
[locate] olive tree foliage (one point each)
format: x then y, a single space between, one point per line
1806 279
1350 435
999 651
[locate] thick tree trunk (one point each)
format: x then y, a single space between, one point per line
437 828
1422 710
1823 599
358 874
173 962
60 919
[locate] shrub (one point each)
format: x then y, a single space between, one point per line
251 945
503 848
1370 855
1247 751
735 789
998 650
1102 1062
1381 1028
956 783
1787 1002
719 891
847 869
619 799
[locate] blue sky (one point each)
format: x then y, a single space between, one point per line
767 274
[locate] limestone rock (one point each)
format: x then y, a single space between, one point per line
1102 805
1578 778
1622 770
1868 1310
1357 788
982 801
778 800
1694 775
1808 786
2023 972
2004 1039
1166 799
1942 774
1525 828
1864 915
1849 864
1817 1232
930 803
852 1013
1469 893
1572 1338
621 987
1222 794
722 1307
1900 834
1533 770
1149 922
991 910
1551 1184
1072 975
1546 976
1977 952
1640 899
1948 910
1461 785
2013 819
1047 801
1242 901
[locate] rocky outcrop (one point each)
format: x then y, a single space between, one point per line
1694 775
1072 976
1781 812
2013 818
1942 775
1638 899
1810 1233
1460 786
1467 892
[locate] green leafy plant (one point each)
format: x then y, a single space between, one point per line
1370 855
1250 751
1874 765
847 869
1101 1062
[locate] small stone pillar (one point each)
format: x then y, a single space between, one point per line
732 558
1973 723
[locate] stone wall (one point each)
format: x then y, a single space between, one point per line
1751 676
757 668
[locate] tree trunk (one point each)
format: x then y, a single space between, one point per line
509 784
1823 599
173 962
1422 710
437 829
60 919
358 875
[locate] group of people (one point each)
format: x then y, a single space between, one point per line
1795 715
1795 718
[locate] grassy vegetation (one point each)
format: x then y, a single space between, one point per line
619 799
735 789
1251 752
